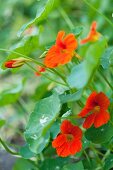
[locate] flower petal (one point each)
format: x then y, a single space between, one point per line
89 121
71 42
102 100
51 57
84 112
59 38
91 100
63 151
101 118
66 127
75 147
59 141
93 25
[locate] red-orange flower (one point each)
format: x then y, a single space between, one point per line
93 34
17 62
40 70
68 142
63 50
95 110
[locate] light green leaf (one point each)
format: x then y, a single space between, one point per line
71 97
37 132
26 46
82 74
44 8
55 129
26 153
2 122
11 95
106 59
100 135
77 31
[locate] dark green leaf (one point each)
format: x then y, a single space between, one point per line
22 164
109 162
74 166
54 163
101 134
85 143
37 133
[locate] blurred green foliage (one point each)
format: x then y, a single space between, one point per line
47 19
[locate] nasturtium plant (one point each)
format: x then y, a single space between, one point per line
56 90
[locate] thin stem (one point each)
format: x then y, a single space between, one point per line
106 155
33 60
45 75
7 148
66 17
80 103
106 80
87 157
67 66
62 77
95 152
111 122
77 55
91 6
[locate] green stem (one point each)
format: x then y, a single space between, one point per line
111 122
80 103
7 148
66 17
67 66
60 75
87 157
106 155
45 75
33 60
106 80
95 152
91 6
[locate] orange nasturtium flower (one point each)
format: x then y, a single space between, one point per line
40 70
63 50
95 110
93 34
68 142
17 62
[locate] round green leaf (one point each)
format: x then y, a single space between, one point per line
74 166
26 153
100 135
109 162
83 72
41 119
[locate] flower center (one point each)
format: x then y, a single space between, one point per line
62 45
69 137
96 109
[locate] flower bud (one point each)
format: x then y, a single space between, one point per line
17 62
